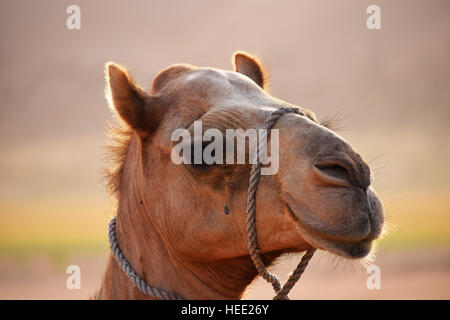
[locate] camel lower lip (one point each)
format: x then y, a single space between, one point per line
348 249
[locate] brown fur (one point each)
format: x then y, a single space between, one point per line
171 224
251 67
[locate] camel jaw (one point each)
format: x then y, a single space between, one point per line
350 249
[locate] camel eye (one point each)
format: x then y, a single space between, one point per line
204 163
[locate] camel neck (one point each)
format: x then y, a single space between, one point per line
153 255
162 268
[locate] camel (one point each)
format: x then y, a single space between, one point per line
182 227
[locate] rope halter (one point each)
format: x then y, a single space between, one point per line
252 244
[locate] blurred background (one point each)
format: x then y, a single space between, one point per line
388 88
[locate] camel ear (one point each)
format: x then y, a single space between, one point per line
137 108
249 66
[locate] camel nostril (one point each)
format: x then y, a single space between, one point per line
334 173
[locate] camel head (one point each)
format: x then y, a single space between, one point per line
319 194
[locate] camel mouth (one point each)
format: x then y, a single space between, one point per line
350 249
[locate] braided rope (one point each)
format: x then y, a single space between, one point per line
252 244
137 281
295 276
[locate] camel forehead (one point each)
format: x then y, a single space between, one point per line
218 77
211 83
217 97
234 90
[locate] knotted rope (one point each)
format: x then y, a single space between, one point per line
252 244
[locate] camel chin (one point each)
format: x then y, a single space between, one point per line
346 249
349 249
